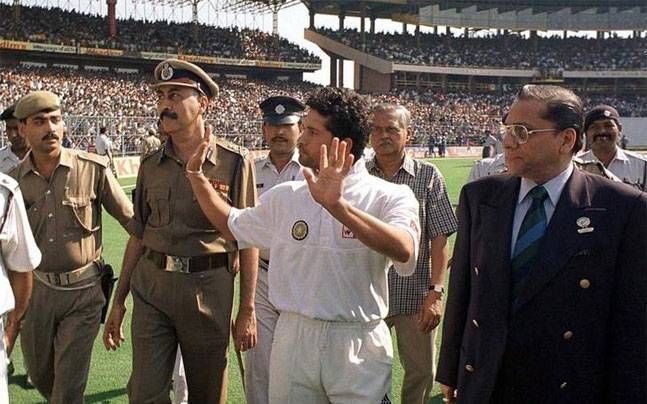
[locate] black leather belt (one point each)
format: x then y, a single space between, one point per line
173 263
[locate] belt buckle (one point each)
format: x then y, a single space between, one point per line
54 279
177 264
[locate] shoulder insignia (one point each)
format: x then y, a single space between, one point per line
8 183
594 167
226 144
95 158
152 153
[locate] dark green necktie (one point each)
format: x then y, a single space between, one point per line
531 233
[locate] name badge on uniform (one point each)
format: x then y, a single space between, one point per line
346 232
584 225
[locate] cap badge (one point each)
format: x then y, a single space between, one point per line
607 113
583 224
167 72
299 230
279 109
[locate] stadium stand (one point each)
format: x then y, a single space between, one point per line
39 24
125 103
510 51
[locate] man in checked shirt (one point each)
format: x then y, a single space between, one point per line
415 302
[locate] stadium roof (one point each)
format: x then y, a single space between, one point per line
393 9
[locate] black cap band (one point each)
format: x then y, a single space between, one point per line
186 74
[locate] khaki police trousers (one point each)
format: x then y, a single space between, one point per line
57 337
417 353
192 310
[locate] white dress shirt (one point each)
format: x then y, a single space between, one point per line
554 187
630 167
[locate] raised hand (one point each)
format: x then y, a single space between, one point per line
194 165
334 165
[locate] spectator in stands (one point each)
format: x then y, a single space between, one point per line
39 24
550 54
460 117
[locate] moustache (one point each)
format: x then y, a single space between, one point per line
279 139
168 114
603 136
49 136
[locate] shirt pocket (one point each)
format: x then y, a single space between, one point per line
159 202
81 214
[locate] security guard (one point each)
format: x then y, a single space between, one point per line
10 155
182 284
19 255
64 191
281 131
603 131
149 144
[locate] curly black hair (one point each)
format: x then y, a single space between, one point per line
348 115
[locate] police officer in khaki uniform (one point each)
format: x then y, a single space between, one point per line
11 154
64 191
182 284
149 144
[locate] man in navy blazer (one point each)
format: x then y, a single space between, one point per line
572 330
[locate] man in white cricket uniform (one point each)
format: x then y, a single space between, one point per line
332 238
281 131
603 131
19 256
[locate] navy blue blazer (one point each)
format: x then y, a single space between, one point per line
576 332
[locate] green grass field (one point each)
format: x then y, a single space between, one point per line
110 370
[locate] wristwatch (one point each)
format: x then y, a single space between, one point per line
438 288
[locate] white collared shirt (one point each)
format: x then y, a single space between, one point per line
630 167
318 269
19 251
103 144
554 187
487 166
8 159
267 176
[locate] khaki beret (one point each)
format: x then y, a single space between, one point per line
35 102
184 74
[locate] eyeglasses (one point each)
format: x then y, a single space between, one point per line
521 133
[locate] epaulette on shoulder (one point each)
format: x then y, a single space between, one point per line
8 183
95 158
594 167
152 153
227 145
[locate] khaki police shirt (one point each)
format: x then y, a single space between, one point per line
148 145
65 210
168 217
